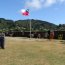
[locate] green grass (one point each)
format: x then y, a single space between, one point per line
32 52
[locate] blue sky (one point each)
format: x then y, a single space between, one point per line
52 11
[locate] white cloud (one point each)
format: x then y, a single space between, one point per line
37 4
34 3
49 3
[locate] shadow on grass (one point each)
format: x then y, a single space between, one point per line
62 42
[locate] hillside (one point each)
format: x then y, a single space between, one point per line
37 25
24 25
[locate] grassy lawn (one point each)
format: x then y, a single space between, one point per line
20 51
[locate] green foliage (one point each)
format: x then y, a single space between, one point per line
24 25
36 25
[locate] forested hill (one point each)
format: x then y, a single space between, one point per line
37 25
24 25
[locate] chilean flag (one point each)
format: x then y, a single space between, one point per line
25 12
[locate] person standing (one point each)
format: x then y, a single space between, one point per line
46 35
39 35
52 35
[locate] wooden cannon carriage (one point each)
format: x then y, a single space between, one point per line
2 40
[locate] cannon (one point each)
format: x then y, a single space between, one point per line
2 40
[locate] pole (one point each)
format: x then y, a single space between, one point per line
30 28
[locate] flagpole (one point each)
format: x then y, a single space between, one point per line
30 28
26 13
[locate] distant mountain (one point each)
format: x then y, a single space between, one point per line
37 25
6 25
24 25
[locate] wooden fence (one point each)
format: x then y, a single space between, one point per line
57 34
